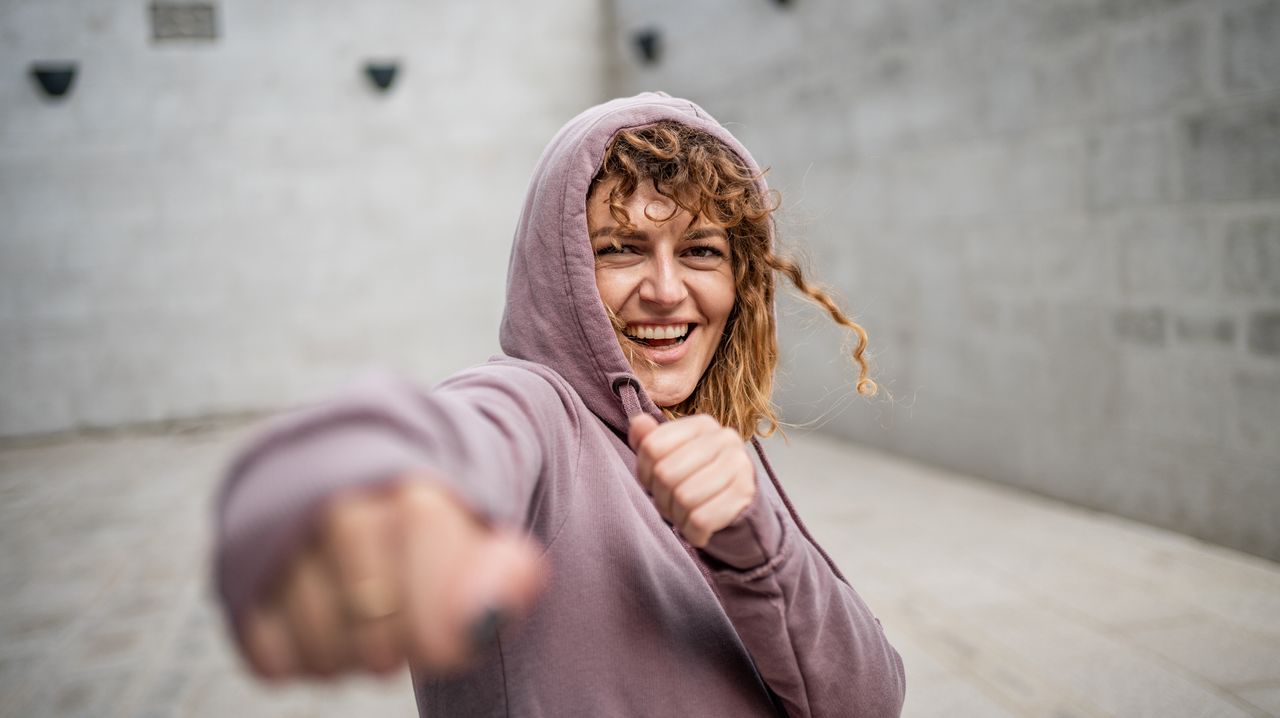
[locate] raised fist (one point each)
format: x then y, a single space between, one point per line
697 471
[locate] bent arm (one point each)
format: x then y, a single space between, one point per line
815 642
482 433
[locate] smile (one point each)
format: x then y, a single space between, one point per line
658 335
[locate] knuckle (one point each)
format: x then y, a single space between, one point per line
648 453
420 499
665 474
649 445
346 518
699 522
682 495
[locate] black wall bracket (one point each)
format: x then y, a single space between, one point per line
381 74
54 78
649 44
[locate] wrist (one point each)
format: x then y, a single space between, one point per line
751 540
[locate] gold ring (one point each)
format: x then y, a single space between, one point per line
371 599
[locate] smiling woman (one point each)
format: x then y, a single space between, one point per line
575 528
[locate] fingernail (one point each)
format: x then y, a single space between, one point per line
485 628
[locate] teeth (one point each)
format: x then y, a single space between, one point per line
657 331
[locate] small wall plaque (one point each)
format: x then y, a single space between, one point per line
184 21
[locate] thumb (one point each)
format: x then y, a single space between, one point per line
641 426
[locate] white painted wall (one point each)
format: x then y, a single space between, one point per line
201 228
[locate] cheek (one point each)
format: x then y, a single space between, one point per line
612 288
720 298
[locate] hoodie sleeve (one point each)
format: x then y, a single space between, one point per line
815 642
478 433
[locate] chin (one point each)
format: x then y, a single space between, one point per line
666 397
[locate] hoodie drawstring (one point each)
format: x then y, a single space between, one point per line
786 501
625 388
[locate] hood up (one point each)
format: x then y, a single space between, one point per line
554 315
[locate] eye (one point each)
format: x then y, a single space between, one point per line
705 251
611 249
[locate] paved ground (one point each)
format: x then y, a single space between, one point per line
1003 604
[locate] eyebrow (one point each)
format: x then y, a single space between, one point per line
608 231
700 233
704 232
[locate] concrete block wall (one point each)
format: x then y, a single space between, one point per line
209 227
1059 221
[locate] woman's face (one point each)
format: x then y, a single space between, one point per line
671 281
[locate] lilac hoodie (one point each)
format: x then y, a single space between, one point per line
634 621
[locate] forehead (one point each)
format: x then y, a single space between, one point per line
644 206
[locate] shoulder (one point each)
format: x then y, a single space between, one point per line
536 388
506 372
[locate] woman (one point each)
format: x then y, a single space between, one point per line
528 534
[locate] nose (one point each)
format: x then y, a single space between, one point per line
664 284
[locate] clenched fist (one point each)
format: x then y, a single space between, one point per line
404 573
697 471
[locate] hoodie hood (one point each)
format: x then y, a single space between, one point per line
554 315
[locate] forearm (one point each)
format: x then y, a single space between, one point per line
480 436
813 639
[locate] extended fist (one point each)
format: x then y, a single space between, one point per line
401 574
697 471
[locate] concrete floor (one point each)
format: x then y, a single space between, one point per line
1002 604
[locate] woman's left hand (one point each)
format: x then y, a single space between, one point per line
697 471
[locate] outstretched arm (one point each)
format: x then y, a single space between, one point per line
327 498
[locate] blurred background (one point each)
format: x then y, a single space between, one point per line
1059 222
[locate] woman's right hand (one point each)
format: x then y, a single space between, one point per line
402 574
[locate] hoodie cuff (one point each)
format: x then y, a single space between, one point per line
752 540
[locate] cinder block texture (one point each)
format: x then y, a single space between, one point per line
240 224
1057 220
1142 326
1252 61
1253 257
1264 333
1233 152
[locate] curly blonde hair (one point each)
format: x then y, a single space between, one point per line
706 178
